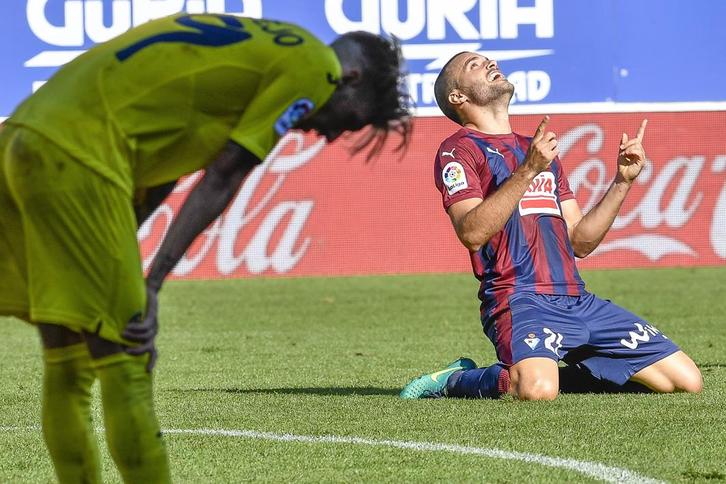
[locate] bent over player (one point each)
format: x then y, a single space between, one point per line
90 155
511 205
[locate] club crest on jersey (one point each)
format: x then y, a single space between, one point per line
540 196
454 177
294 113
531 340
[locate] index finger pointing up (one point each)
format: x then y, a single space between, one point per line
540 129
641 130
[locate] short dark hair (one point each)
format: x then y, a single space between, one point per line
391 104
442 88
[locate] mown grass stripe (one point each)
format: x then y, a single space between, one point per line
591 469
595 470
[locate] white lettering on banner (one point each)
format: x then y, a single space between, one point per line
582 175
541 15
660 205
676 213
384 16
257 254
120 13
653 246
415 23
452 13
85 19
163 212
423 84
436 19
718 220
530 85
145 10
66 35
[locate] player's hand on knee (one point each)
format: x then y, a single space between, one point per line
143 331
543 148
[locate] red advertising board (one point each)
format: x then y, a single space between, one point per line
311 209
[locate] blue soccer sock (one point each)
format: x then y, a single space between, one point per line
488 382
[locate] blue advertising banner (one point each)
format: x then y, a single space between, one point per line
555 52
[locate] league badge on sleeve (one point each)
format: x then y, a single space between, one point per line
454 177
294 113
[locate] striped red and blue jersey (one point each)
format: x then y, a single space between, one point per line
532 253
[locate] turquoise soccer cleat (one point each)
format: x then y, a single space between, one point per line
433 385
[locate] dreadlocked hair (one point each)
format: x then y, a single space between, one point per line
390 102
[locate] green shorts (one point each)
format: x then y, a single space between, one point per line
68 248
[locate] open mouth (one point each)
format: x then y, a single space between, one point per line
494 75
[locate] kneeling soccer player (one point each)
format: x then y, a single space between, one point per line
130 117
511 205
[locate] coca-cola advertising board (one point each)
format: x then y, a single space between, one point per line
311 209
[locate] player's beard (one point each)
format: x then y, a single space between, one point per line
487 94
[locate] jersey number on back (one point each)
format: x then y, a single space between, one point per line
206 34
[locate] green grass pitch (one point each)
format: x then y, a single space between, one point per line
327 357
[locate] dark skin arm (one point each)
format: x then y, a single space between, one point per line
205 203
207 200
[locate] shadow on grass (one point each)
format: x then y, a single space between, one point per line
693 475
348 391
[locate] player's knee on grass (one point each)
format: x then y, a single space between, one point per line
692 381
684 375
534 379
675 373
535 389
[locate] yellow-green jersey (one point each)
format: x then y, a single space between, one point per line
160 100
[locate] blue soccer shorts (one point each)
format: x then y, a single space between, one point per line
611 342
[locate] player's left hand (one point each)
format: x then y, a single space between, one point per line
144 331
631 157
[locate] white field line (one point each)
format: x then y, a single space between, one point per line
594 470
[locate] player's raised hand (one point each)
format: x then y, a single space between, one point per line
631 156
543 148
